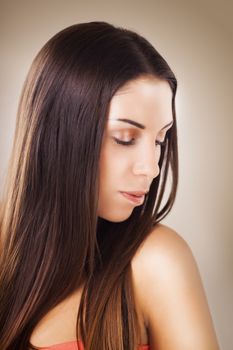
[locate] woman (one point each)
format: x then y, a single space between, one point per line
85 261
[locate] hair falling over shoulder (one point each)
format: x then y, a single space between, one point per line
52 240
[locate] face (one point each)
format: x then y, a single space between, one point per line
140 114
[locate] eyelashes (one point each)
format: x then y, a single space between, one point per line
132 142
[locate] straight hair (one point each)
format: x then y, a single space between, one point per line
52 240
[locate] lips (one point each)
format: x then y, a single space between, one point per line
137 193
135 197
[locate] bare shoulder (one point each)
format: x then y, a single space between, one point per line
156 261
161 237
170 294
162 247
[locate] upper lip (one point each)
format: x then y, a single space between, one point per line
137 193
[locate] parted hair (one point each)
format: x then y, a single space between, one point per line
52 240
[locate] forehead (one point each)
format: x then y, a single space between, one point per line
146 100
142 83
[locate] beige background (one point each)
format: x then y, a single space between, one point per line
196 38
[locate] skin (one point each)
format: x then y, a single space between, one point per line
132 167
170 298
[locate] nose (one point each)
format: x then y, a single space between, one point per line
147 163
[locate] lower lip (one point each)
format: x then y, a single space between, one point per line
133 199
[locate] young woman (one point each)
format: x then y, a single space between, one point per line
85 261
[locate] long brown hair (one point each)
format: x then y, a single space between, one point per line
52 240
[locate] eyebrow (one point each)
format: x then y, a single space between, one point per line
138 125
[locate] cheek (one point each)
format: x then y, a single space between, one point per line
114 171
107 166
113 162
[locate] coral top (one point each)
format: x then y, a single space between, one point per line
72 345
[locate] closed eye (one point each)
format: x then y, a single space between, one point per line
132 142
125 143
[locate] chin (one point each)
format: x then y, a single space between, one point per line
115 217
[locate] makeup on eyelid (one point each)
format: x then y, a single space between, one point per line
132 142
133 132
130 136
